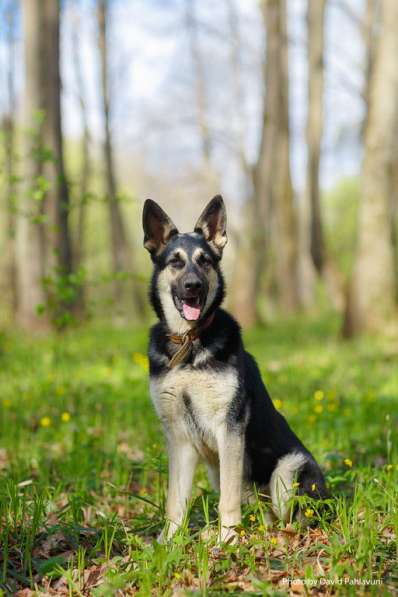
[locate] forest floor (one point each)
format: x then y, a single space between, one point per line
83 471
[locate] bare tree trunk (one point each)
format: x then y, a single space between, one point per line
315 19
394 207
244 304
43 234
271 229
369 35
371 303
122 261
9 147
273 179
86 166
59 254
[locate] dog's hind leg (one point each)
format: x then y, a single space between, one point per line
282 482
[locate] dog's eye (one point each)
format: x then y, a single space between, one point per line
204 261
176 262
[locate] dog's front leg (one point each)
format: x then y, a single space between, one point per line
231 453
183 459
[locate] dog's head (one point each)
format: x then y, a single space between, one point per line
187 284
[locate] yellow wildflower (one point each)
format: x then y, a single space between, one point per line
65 417
252 517
273 541
319 395
309 513
313 487
261 528
278 404
318 409
296 484
141 360
45 421
348 462
242 533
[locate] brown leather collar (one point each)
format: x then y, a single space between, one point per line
186 340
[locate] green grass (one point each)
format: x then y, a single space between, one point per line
83 470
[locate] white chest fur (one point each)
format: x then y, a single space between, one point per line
194 403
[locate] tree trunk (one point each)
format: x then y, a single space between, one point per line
86 166
394 208
57 198
370 28
273 185
244 304
372 294
44 254
122 260
315 20
9 150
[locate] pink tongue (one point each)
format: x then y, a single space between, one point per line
191 313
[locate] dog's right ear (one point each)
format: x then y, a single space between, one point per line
158 228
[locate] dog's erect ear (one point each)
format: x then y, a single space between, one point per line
213 224
158 228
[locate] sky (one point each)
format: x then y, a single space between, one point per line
153 84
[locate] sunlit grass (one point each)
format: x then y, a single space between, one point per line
83 469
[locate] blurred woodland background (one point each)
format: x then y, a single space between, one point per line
289 108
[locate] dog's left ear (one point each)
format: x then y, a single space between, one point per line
212 224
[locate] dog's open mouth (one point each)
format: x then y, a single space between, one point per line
189 307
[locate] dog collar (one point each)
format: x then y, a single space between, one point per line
186 340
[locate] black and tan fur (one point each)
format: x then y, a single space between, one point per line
213 405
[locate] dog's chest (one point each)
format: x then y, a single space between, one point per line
194 402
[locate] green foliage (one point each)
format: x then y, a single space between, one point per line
62 290
83 469
340 209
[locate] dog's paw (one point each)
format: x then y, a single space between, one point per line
167 532
229 535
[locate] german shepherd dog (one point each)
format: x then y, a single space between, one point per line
207 390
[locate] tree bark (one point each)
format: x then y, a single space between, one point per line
371 305
273 186
244 303
394 208
43 244
59 254
122 261
9 151
86 165
370 36
315 21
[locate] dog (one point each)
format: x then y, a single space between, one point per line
206 389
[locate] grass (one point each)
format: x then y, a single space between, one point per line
83 471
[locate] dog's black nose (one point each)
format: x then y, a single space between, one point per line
192 283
